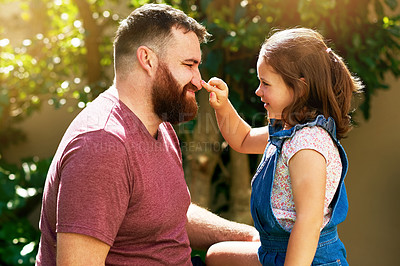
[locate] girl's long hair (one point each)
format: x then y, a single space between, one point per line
321 82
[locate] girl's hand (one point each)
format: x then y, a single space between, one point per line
218 92
239 135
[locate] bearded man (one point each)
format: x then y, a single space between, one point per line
115 193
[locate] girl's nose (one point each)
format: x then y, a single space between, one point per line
259 92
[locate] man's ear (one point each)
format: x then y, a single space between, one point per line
147 59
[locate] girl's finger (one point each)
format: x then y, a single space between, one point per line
213 98
218 83
207 86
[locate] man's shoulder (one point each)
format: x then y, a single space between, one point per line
106 113
96 123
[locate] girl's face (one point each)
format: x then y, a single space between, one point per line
273 91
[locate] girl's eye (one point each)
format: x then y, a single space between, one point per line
264 83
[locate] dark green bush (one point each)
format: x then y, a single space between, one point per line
21 189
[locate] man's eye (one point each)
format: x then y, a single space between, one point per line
189 65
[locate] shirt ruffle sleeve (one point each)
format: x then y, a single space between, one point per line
309 138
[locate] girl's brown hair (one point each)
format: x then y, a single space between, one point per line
321 82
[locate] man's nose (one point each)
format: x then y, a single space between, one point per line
196 80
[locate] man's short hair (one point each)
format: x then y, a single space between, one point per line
150 25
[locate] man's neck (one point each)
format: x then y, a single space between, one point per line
140 104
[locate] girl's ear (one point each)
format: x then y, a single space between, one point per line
147 59
303 89
303 80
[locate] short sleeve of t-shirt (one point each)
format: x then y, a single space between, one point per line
309 138
94 188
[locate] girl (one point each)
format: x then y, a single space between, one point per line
298 195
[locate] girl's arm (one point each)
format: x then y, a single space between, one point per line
307 170
239 135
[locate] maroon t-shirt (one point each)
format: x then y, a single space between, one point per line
110 179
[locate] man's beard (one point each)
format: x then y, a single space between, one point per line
170 104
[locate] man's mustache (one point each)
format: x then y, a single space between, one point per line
189 87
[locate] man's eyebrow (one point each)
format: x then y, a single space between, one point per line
192 60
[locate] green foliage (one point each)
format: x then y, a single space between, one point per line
21 188
51 65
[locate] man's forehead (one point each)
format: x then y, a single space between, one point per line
185 45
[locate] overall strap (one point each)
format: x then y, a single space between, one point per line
278 136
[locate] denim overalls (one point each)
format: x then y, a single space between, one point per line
274 238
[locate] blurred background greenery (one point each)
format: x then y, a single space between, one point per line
59 53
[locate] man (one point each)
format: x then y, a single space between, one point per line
115 193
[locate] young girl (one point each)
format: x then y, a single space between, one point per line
298 195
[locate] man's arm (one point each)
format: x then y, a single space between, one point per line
77 249
205 228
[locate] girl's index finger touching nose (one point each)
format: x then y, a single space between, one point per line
218 83
207 86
